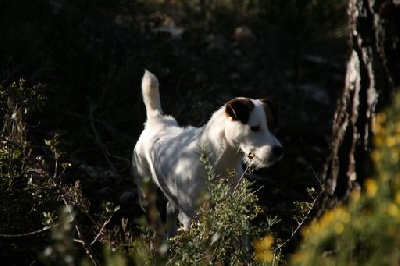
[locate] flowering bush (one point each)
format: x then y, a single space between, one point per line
367 230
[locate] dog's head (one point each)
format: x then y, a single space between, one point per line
249 126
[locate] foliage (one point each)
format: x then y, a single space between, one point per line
223 225
34 185
366 230
24 191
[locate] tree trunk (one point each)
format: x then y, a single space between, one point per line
373 73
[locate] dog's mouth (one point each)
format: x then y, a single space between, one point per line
251 162
255 162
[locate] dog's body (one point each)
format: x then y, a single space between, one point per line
170 155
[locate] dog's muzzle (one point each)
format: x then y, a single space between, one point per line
274 155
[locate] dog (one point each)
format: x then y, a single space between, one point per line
168 155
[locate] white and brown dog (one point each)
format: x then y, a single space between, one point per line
169 155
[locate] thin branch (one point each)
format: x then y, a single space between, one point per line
30 233
247 170
86 245
101 230
304 217
82 239
299 224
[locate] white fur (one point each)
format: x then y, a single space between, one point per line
170 155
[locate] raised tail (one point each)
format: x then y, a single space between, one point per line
151 95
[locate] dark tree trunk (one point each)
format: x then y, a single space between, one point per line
373 73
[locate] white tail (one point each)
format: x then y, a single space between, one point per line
151 95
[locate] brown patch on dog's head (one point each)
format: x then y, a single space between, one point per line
239 109
270 113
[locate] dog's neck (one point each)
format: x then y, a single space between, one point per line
223 155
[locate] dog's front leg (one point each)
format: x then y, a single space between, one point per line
172 215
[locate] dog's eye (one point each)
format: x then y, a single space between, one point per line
255 128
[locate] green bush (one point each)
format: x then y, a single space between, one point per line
41 202
18 167
222 231
25 190
366 231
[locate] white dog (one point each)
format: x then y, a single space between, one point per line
170 155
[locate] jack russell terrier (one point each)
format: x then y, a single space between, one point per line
168 155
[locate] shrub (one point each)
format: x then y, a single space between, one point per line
22 198
33 185
18 167
366 231
223 228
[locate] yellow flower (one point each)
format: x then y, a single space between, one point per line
381 118
376 155
391 141
371 187
378 140
393 210
262 249
395 157
339 228
397 127
345 217
355 195
377 122
397 198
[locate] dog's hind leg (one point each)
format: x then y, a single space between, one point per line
172 216
147 191
152 212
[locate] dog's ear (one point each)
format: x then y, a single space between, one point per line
270 113
239 109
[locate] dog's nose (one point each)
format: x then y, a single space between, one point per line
277 151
